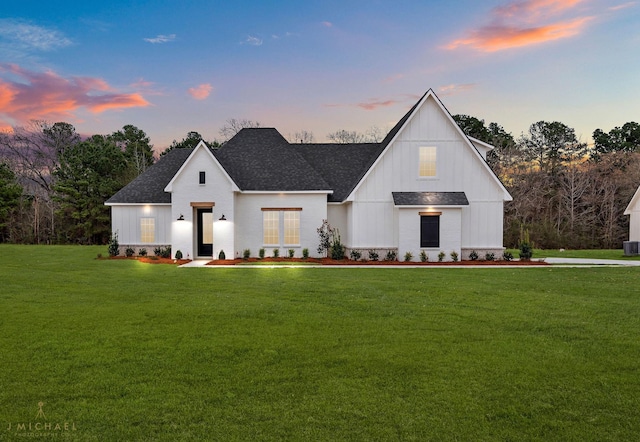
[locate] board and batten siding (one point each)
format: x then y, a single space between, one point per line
460 168
126 223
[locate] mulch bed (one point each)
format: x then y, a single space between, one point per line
347 262
153 259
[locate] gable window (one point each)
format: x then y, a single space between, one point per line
427 161
147 230
429 230
202 177
281 226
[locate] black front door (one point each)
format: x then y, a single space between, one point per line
205 232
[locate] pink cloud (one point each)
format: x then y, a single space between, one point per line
46 95
524 23
622 6
200 92
327 24
374 104
452 89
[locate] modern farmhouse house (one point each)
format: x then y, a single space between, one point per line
425 187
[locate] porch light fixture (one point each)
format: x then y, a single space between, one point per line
222 218
181 217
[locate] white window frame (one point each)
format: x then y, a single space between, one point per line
286 223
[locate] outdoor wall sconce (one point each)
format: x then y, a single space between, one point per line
222 218
181 217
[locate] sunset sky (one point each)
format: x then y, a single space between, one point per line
169 67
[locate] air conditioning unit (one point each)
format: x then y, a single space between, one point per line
631 248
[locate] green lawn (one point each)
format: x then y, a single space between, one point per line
131 351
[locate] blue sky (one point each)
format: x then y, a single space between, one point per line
169 67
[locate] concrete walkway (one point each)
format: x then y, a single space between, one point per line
591 262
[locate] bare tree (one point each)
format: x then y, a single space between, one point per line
303 137
345 137
232 126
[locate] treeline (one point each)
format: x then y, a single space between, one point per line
53 183
565 193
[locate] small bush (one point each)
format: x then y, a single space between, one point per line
162 252
291 253
142 252
129 252
454 256
261 253
355 255
373 255
507 256
305 253
441 256
473 256
423 256
408 256
276 253
246 254
525 246
114 245
390 256
489 257
178 254
222 255
99 256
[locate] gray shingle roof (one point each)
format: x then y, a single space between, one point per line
149 186
261 159
430 199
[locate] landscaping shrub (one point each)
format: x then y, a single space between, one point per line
246 254
129 252
390 256
337 249
114 245
507 256
489 256
454 256
276 253
373 255
423 256
222 255
355 255
305 253
408 256
261 253
178 254
142 252
291 253
162 252
473 256
441 256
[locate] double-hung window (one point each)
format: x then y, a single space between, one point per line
281 227
147 230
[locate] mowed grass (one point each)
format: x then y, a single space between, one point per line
616 254
133 351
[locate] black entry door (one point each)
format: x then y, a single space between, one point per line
205 232
429 231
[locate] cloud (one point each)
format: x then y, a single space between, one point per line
253 41
46 95
375 103
161 39
453 89
327 24
524 23
200 92
31 37
623 6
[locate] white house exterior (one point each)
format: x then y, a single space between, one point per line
632 247
425 188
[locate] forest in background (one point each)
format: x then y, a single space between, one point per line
566 194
